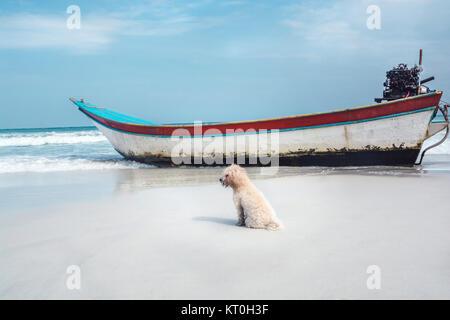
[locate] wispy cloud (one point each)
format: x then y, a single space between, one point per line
337 24
341 25
50 31
97 31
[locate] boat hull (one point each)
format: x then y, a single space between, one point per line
389 133
395 140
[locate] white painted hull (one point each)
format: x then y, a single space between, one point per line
397 133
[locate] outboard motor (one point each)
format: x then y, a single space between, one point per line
403 82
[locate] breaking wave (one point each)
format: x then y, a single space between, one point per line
59 149
22 139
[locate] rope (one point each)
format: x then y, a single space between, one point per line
444 111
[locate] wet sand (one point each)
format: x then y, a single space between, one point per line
170 234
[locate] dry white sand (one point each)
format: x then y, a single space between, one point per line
181 242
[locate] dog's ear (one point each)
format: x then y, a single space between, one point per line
237 173
230 170
240 170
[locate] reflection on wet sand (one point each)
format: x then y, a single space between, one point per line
137 179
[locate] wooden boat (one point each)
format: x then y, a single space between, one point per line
386 133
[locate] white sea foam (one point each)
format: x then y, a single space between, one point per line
50 137
43 164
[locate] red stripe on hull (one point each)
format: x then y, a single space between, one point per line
357 114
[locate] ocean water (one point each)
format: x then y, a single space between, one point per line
85 148
58 149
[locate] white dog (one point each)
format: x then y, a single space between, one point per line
253 209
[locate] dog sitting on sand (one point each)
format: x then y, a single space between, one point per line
253 209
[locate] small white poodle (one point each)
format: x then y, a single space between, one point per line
253 209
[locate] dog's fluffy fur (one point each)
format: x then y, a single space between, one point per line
253 209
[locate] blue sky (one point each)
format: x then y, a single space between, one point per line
176 61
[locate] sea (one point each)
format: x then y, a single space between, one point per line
58 149
86 148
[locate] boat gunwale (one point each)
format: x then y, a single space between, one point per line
189 125
400 114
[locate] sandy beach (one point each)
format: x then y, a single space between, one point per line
170 234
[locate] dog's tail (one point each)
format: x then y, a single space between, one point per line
275 225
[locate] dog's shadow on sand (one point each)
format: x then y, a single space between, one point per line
229 222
